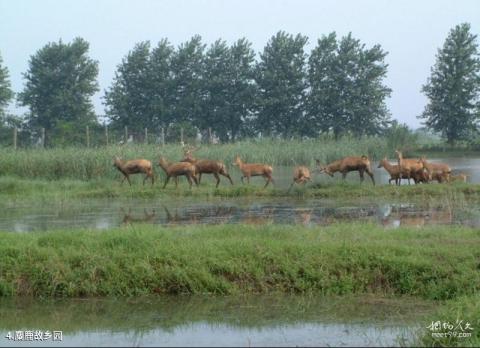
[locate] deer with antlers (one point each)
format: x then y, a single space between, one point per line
254 169
178 169
137 166
346 165
206 166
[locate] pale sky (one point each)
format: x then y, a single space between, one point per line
411 31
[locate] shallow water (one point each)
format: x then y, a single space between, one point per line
104 214
273 320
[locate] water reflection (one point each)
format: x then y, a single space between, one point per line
98 214
262 320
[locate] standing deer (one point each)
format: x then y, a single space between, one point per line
459 177
348 164
392 169
436 171
409 167
254 169
205 166
134 167
301 175
178 169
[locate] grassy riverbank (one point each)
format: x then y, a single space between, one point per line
95 163
23 190
433 263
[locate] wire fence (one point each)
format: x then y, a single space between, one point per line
98 136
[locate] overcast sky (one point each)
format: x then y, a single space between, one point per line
411 31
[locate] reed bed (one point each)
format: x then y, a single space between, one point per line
90 163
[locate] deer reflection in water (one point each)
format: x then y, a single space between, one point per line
213 215
430 216
146 218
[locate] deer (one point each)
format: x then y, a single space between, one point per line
346 165
393 170
436 171
459 177
178 169
395 173
254 169
301 175
134 167
206 166
409 167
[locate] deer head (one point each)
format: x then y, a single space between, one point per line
323 169
382 162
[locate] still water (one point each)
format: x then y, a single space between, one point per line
104 214
260 320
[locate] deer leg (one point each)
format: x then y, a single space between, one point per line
128 179
197 182
199 177
344 175
216 177
241 179
166 181
228 176
362 178
189 180
176 182
370 174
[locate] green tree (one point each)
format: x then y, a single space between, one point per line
59 84
243 91
140 94
217 82
346 93
281 80
453 87
187 69
6 93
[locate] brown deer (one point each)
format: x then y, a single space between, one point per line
348 164
397 175
436 171
409 167
393 170
134 167
459 177
254 169
205 166
178 169
301 175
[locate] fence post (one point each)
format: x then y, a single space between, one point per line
43 137
88 136
181 135
146 135
14 138
126 134
106 135
163 136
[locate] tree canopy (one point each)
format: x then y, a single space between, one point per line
453 87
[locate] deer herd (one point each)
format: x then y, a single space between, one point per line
418 169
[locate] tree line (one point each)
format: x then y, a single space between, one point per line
338 88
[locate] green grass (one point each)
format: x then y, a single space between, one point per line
463 310
14 189
94 163
437 263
